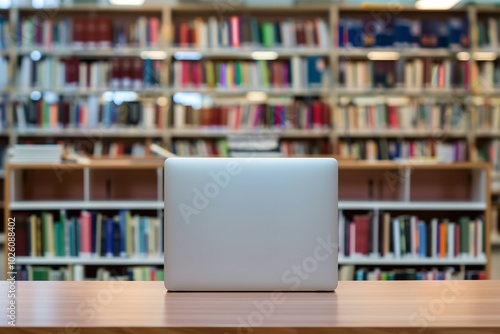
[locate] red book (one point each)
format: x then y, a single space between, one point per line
116 75
316 32
481 275
316 113
85 233
154 31
137 72
197 74
104 32
185 74
22 238
235 31
393 117
300 33
91 26
325 114
184 34
362 224
79 32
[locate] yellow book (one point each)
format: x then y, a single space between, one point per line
209 68
33 236
230 75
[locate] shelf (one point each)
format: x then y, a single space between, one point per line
89 52
133 133
90 260
431 92
82 205
246 52
403 52
422 206
243 91
343 205
409 261
400 133
153 91
196 133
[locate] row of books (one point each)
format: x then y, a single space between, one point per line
77 273
297 73
4 78
490 152
489 75
4 33
220 147
399 114
291 148
236 31
384 149
411 237
90 234
89 32
89 113
410 74
487 114
296 114
488 32
449 273
403 32
116 73
90 145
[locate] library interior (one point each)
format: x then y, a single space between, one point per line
95 94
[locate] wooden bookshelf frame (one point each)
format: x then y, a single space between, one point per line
480 203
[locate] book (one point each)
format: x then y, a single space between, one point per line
447 273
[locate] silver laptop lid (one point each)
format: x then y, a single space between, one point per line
251 224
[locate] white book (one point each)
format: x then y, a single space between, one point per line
143 31
92 112
408 75
479 236
225 34
82 75
94 75
352 239
287 34
78 272
24 74
296 77
413 236
451 240
21 119
396 235
493 32
323 35
472 238
419 73
434 236
149 115
97 149
135 229
213 35
203 35
448 73
179 116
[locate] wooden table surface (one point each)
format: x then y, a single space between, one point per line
402 307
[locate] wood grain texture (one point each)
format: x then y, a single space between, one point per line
356 307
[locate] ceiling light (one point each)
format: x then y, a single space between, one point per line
463 56
484 55
256 96
265 55
157 55
436 4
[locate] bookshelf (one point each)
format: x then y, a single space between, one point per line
364 189
322 59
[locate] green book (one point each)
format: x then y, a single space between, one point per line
40 273
267 34
146 274
264 73
238 75
160 275
45 235
222 147
58 239
209 69
464 234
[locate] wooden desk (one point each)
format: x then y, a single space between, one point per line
356 307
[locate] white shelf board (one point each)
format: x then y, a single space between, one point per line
214 132
403 52
82 205
87 52
408 261
153 91
423 206
398 133
143 133
241 91
343 205
246 52
28 260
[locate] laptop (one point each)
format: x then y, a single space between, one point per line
251 224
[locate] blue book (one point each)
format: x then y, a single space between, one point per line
355 36
315 67
402 32
122 226
109 237
422 234
77 235
94 231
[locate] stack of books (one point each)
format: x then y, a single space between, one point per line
200 148
35 154
300 148
255 145
449 273
488 32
